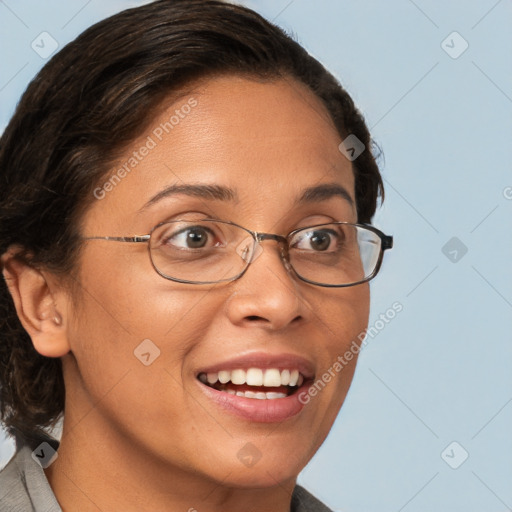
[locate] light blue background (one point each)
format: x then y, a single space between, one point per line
440 371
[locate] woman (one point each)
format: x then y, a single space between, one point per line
184 208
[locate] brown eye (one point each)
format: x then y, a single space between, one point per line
317 240
320 241
192 237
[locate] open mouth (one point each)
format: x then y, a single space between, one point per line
257 383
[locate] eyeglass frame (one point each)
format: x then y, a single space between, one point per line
258 237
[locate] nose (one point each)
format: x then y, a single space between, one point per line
268 294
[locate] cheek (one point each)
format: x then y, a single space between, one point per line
130 344
129 300
354 323
347 316
122 314
346 320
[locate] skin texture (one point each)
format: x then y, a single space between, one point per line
142 437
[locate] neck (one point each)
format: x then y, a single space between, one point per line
98 470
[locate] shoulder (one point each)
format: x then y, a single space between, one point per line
14 495
303 501
23 484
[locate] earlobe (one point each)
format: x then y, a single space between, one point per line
35 298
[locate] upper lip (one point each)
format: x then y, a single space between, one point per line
264 361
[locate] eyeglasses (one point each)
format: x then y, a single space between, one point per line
208 251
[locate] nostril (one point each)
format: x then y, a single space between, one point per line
254 317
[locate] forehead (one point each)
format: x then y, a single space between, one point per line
266 140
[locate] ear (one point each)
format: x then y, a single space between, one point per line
36 297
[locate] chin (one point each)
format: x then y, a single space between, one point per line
266 476
250 468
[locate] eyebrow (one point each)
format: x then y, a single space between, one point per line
314 194
324 192
211 192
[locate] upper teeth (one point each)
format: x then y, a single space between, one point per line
271 377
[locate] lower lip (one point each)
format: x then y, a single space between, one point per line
253 409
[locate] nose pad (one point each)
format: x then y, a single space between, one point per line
284 255
248 250
286 263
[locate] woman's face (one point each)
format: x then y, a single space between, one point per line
268 143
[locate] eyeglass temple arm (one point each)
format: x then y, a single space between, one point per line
140 238
387 242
